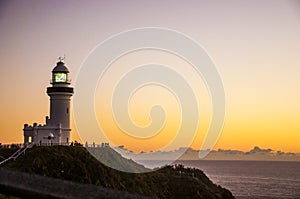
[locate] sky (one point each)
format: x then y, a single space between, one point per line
254 45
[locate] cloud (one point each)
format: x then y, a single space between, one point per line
257 154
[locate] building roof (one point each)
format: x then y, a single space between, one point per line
60 67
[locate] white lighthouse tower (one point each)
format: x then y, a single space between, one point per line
57 128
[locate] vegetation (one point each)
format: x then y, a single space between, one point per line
4 196
6 152
111 158
75 163
25 185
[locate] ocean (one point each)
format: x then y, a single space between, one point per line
253 179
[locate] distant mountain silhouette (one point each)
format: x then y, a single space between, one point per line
190 154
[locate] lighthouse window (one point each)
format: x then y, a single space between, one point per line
60 77
67 110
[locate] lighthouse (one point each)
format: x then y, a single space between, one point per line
56 130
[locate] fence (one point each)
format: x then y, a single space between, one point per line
11 146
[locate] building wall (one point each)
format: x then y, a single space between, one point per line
60 110
40 135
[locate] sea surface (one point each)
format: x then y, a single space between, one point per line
253 179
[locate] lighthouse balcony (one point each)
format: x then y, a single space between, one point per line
60 89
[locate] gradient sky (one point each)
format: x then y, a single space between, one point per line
254 44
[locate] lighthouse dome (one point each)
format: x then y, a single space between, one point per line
60 68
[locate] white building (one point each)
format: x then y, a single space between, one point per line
57 128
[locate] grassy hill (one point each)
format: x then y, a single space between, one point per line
113 159
76 164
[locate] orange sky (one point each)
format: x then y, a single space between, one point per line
255 46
